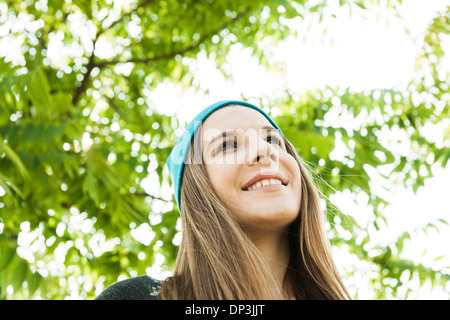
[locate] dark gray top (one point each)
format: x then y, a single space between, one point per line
138 288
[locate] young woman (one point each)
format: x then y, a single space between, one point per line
252 227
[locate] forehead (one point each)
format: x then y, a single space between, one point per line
234 117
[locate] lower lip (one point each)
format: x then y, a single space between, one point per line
270 187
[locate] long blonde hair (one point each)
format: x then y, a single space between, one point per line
217 259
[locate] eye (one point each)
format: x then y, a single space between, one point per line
227 145
274 139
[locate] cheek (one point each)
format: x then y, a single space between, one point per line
223 179
294 170
297 174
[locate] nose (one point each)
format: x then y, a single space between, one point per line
262 158
261 152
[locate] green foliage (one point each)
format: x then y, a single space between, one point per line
78 137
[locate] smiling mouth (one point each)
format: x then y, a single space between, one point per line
266 184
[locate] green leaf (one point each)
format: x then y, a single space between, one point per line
6 256
361 5
56 5
401 165
90 187
39 90
48 135
59 131
446 158
36 133
15 159
19 274
7 185
34 280
401 240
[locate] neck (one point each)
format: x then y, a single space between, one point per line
275 249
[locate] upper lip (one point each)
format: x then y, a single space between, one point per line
263 176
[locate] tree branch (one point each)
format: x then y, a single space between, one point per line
91 64
79 90
144 194
141 5
178 52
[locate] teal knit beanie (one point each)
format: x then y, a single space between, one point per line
177 157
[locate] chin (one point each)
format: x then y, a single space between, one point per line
280 218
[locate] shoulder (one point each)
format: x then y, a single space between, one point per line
137 288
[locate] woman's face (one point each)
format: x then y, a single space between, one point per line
249 168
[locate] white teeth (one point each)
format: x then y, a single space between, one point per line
264 182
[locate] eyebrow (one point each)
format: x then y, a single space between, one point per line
232 133
222 135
